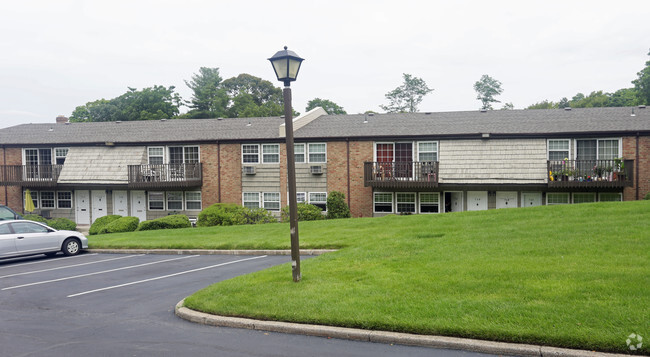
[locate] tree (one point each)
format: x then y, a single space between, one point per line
408 96
625 97
593 100
508 106
336 206
329 106
209 100
545 104
487 88
642 84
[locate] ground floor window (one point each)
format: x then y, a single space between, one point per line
175 201
34 195
557 198
610 197
64 199
318 199
383 202
272 201
47 199
584 197
429 202
252 200
193 201
405 202
156 201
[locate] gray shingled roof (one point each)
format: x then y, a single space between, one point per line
174 130
527 122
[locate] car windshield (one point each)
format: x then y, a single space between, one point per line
6 213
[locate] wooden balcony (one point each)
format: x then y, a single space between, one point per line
401 174
165 176
590 173
30 176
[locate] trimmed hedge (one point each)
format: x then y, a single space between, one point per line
35 218
101 222
306 212
122 224
56 223
228 214
167 222
336 206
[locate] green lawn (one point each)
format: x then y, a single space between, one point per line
569 276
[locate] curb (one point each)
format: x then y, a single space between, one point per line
211 251
453 343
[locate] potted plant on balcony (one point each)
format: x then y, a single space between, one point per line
619 169
599 171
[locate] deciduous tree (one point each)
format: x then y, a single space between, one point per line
487 88
642 84
329 106
408 96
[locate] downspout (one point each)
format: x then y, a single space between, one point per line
347 143
637 166
4 172
218 172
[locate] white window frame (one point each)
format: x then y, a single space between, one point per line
162 154
309 153
374 202
188 201
620 196
149 200
548 149
59 200
436 149
592 194
57 156
53 199
568 198
429 203
274 154
35 198
266 200
620 146
317 202
258 201
256 154
414 202
298 194
183 149
297 151
167 200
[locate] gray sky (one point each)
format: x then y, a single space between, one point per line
56 55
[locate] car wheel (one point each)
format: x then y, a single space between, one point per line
71 246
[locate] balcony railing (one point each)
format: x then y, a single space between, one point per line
423 174
590 173
30 175
165 176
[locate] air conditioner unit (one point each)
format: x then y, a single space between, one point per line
316 170
249 170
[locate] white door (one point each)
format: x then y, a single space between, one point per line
139 205
506 199
453 201
99 203
82 206
120 203
477 200
531 199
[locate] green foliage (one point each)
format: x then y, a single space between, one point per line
167 222
642 84
336 206
122 224
306 212
258 216
209 100
152 103
647 196
487 88
35 218
408 96
228 214
62 224
508 106
101 222
545 104
329 106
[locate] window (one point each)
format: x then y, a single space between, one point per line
317 153
301 197
47 199
610 197
4 229
557 198
584 197
272 201
318 199
193 201
34 195
174 201
37 162
384 152
429 202
59 155
183 155
156 201
28 227
607 149
427 151
602 149
64 199
250 154
156 156
251 200
405 202
383 202
299 153
270 153
558 149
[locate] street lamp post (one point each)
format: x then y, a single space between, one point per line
286 65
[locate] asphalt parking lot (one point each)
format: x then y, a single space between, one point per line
123 305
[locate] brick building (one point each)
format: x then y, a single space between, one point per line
383 163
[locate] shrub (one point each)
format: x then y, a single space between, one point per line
101 222
258 216
306 212
222 214
336 206
647 196
62 224
35 218
122 224
167 222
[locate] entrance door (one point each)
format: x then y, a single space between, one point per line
531 199
82 206
139 205
506 199
403 159
453 201
477 200
99 204
120 203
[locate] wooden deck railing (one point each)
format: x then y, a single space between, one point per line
165 176
590 173
30 175
416 174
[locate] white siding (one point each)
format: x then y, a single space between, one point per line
493 161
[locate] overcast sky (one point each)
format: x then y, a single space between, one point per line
56 55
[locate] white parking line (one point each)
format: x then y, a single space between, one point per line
96 273
164 276
69 266
43 261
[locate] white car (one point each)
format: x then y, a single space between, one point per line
22 237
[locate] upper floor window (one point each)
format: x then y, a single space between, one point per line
558 149
427 151
299 153
156 155
183 154
33 157
60 154
270 153
250 153
598 149
317 152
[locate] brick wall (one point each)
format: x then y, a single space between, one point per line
337 169
337 180
210 164
11 196
231 175
629 152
